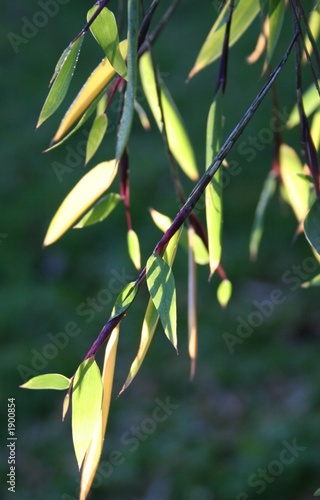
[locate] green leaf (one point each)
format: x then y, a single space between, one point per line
61 80
244 13
124 299
213 192
192 304
81 197
315 127
314 282
134 248
267 192
86 406
129 98
311 102
317 493
312 226
100 211
178 140
48 381
224 292
105 31
97 132
314 27
297 189
276 16
160 282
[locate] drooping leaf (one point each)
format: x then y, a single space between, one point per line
100 211
311 102
213 192
161 286
192 304
267 192
144 120
312 226
81 198
65 405
178 140
93 454
124 299
224 292
276 16
129 98
314 27
315 130
261 43
61 80
86 406
134 248
54 381
97 132
92 89
297 189
243 15
105 31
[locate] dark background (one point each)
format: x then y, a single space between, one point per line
243 408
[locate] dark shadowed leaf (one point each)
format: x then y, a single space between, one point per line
276 16
100 211
312 226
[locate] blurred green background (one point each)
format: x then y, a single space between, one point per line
226 435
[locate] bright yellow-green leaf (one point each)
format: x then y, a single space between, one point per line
315 130
100 211
61 80
97 132
314 282
312 226
93 454
178 139
224 292
192 304
48 381
244 13
144 120
105 31
314 26
297 189
65 406
124 299
311 102
86 406
276 16
161 286
163 222
92 89
134 248
81 198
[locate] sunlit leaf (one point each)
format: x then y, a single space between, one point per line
267 192
213 192
161 285
297 189
105 31
312 226
129 98
192 304
65 405
134 248
86 406
178 139
97 132
276 16
144 120
100 211
314 282
311 102
93 454
224 292
163 222
261 43
314 27
315 130
124 299
48 381
80 199
244 13
61 80
94 86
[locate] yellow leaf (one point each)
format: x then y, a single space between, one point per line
96 82
81 198
192 304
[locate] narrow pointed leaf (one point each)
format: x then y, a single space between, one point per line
144 120
314 26
80 199
314 282
267 192
224 292
297 189
312 226
105 31
48 381
124 299
311 102
161 286
97 132
317 493
100 211
94 86
129 99
315 130
134 248
276 16
192 305
86 406
61 80
93 454
178 140
65 406
244 13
